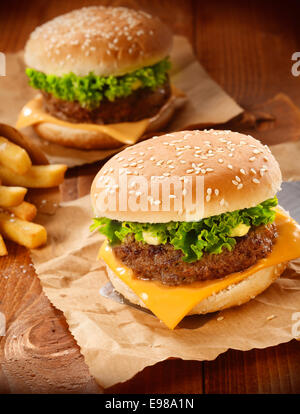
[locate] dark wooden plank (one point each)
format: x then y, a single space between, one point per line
247 47
271 370
19 18
171 376
38 353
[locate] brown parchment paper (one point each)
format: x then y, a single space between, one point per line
206 102
118 340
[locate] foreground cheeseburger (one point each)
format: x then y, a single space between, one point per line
95 67
222 253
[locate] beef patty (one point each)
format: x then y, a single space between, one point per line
142 103
165 264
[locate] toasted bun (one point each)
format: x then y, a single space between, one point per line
98 39
229 171
234 295
86 139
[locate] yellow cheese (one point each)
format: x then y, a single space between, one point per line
172 303
126 132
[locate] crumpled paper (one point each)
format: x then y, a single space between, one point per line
118 340
206 102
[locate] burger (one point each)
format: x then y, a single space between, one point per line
210 236
103 77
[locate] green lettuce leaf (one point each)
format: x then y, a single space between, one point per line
210 235
90 90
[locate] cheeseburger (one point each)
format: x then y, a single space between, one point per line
102 74
214 240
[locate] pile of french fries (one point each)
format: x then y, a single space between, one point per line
17 175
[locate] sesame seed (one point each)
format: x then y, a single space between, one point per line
255 180
243 171
209 191
207 198
216 192
235 182
252 159
237 178
229 166
240 186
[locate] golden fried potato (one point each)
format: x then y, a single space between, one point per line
25 211
3 249
38 176
23 232
11 196
14 157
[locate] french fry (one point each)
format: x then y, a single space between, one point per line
11 196
25 211
14 157
27 234
13 135
38 176
3 249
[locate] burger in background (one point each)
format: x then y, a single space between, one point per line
103 77
220 241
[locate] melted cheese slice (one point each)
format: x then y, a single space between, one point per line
172 303
126 132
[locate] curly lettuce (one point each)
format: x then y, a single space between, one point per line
210 235
90 90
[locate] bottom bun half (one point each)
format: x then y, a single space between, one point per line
88 139
233 295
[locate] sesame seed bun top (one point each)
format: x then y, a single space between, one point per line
98 39
227 170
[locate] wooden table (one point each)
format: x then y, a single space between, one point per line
247 49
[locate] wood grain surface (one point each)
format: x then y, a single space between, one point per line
246 47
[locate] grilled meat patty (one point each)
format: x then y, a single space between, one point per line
142 103
165 264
